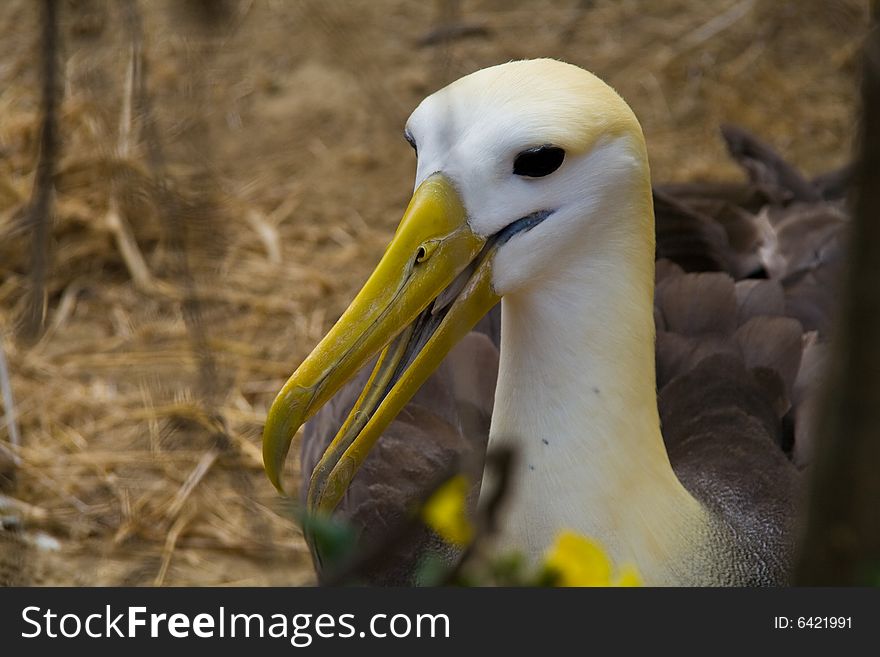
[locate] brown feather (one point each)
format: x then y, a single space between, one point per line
722 433
766 167
756 297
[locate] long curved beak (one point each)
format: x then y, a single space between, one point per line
430 288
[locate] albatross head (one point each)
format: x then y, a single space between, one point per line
532 138
519 167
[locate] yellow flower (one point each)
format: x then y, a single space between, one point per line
628 576
445 512
578 561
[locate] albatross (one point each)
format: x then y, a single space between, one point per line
533 189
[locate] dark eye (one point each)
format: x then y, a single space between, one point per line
412 142
538 162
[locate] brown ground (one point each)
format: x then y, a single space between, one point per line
280 131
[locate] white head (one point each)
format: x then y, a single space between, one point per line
531 136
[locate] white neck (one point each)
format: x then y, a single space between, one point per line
576 397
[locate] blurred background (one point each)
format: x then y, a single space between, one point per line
226 175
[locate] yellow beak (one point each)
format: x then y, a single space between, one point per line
434 253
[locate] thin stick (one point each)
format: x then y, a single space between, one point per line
128 248
718 24
41 201
168 550
114 219
195 476
9 406
267 233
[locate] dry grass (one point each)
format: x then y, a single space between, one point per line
195 258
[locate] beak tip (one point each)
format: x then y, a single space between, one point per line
274 475
275 448
285 416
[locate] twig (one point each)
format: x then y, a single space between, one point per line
9 406
168 549
128 248
267 233
195 476
132 81
134 260
716 25
64 309
114 219
41 203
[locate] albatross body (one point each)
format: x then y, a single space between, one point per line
533 188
